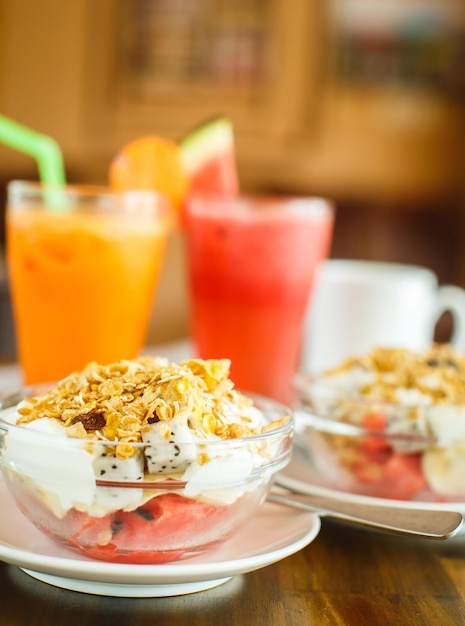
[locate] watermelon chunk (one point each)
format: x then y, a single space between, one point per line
162 530
208 156
166 528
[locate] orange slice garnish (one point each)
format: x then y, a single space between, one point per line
150 163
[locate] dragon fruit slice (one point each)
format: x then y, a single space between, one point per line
169 451
109 467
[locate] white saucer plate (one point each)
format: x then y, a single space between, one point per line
273 534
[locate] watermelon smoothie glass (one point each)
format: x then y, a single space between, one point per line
84 264
251 266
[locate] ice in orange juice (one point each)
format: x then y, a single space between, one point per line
83 277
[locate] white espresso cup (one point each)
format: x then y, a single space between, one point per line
360 305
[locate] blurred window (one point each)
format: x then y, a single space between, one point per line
165 45
411 43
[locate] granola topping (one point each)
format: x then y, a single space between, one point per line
393 375
118 402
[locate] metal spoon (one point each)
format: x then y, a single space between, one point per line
430 523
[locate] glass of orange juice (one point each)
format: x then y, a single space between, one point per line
83 264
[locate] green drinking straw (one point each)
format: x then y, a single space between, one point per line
42 148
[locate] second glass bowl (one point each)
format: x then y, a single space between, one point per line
375 448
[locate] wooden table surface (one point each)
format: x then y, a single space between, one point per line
347 576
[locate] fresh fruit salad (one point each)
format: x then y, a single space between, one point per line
390 423
143 461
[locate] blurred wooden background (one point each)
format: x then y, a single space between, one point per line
361 103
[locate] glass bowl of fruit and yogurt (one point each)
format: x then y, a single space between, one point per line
142 461
390 424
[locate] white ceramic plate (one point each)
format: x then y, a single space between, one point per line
301 475
273 534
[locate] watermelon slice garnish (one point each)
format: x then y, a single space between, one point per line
208 156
